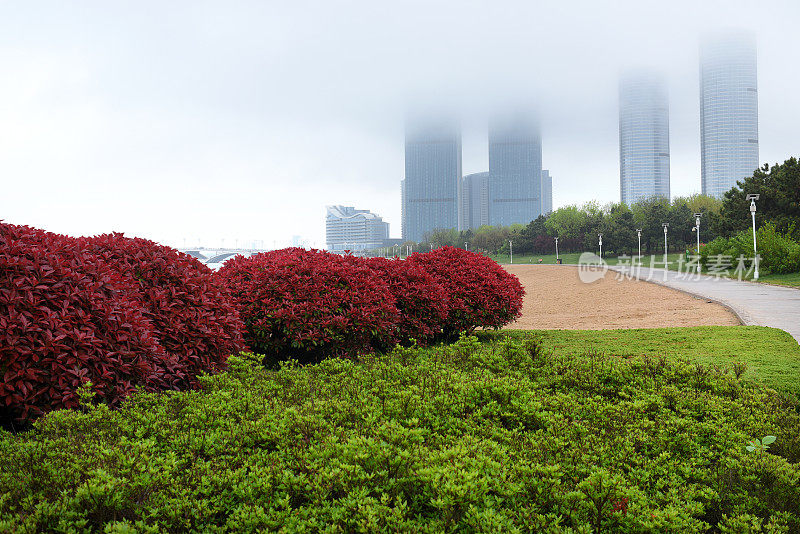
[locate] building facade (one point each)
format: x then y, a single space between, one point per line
515 171
643 137
547 192
475 200
728 111
431 188
347 228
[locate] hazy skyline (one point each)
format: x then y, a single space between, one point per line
243 120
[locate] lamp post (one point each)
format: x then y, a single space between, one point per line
752 198
511 250
697 227
600 237
666 226
639 235
556 250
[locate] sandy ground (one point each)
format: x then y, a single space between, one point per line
556 298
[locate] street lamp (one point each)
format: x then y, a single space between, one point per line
666 226
600 237
752 198
697 227
511 250
556 250
639 235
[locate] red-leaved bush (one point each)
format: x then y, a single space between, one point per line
310 304
421 301
480 293
66 317
192 314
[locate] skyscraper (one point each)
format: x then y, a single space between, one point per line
643 137
475 200
431 189
515 171
547 192
728 111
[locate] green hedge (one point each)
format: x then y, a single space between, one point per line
499 436
779 253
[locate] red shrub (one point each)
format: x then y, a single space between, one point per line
311 304
480 292
193 316
66 316
421 301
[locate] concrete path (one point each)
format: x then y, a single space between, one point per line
755 304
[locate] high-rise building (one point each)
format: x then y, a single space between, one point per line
430 190
643 137
475 200
515 171
347 228
547 192
728 111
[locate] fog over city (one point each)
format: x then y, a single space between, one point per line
240 121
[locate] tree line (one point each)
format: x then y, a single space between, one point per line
577 227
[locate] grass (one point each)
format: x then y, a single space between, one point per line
572 258
501 434
772 356
791 280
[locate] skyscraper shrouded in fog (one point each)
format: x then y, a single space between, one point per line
431 188
728 111
475 201
643 137
515 171
547 192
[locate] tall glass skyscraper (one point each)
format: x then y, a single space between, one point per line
475 201
728 111
643 137
547 192
431 189
515 171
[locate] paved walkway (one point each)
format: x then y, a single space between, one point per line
755 304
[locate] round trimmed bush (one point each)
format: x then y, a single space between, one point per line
193 315
480 292
67 317
310 304
421 301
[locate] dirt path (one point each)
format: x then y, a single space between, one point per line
557 299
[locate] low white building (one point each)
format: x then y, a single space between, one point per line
347 228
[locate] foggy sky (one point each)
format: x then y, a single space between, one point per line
242 120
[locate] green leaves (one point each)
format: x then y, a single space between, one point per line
761 445
499 433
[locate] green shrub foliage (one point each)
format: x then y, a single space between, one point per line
778 252
500 435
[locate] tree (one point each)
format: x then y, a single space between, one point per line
619 230
779 188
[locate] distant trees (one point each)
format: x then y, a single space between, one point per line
577 227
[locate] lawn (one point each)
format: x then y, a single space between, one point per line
772 356
572 258
575 432
792 279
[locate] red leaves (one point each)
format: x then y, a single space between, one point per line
480 292
313 304
71 311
